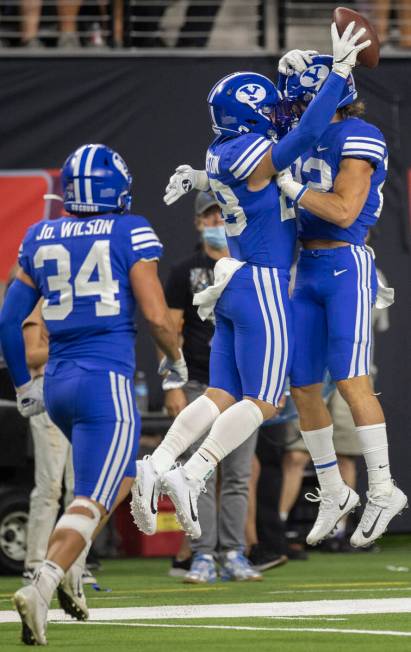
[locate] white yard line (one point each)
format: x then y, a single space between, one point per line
370 590
248 610
315 630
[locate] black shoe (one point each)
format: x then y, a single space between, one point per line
297 552
179 568
263 559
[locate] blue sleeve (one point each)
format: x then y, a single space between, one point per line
25 258
312 125
142 242
365 141
18 304
243 154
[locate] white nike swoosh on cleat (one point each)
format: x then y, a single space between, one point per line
341 271
321 149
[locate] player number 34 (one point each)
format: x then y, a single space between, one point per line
105 286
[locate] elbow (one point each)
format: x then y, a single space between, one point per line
346 217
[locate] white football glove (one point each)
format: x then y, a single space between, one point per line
295 61
30 399
289 187
175 372
183 180
345 50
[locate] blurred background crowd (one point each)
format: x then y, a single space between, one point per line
223 25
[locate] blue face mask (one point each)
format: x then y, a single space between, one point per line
214 236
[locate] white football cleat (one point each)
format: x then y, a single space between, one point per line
145 492
333 506
71 596
378 513
184 494
32 610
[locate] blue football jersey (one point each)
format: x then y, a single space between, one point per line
260 226
81 267
353 138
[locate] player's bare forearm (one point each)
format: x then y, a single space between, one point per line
150 297
350 192
166 338
178 321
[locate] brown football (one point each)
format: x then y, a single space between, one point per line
371 55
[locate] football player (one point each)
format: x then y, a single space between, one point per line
338 187
253 339
92 268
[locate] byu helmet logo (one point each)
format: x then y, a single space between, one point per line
251 94
314 77
120 165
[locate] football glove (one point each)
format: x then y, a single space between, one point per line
288 186
345 50
295 61
30 399
182 181
175 373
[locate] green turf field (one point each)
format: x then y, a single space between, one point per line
361 581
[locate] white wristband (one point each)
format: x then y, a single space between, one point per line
201 181
294 190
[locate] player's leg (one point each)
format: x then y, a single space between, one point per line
350 334
256 304
189 426
104 438
308 369
225 388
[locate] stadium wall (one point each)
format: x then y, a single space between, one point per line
153 111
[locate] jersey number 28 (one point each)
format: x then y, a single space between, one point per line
105 286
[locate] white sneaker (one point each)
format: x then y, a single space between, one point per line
32 610
145 492
71 596
184 494
378 512
333 506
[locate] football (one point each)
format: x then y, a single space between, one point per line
371 55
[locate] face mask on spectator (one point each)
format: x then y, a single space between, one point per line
214 236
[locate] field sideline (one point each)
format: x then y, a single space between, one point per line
362 600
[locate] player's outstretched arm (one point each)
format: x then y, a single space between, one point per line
183 181
319 113
341 206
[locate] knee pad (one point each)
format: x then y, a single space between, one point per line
84 525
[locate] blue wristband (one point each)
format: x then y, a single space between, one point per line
301 193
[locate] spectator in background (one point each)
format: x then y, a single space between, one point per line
195 32
222 528
380 13
52 456
67 11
